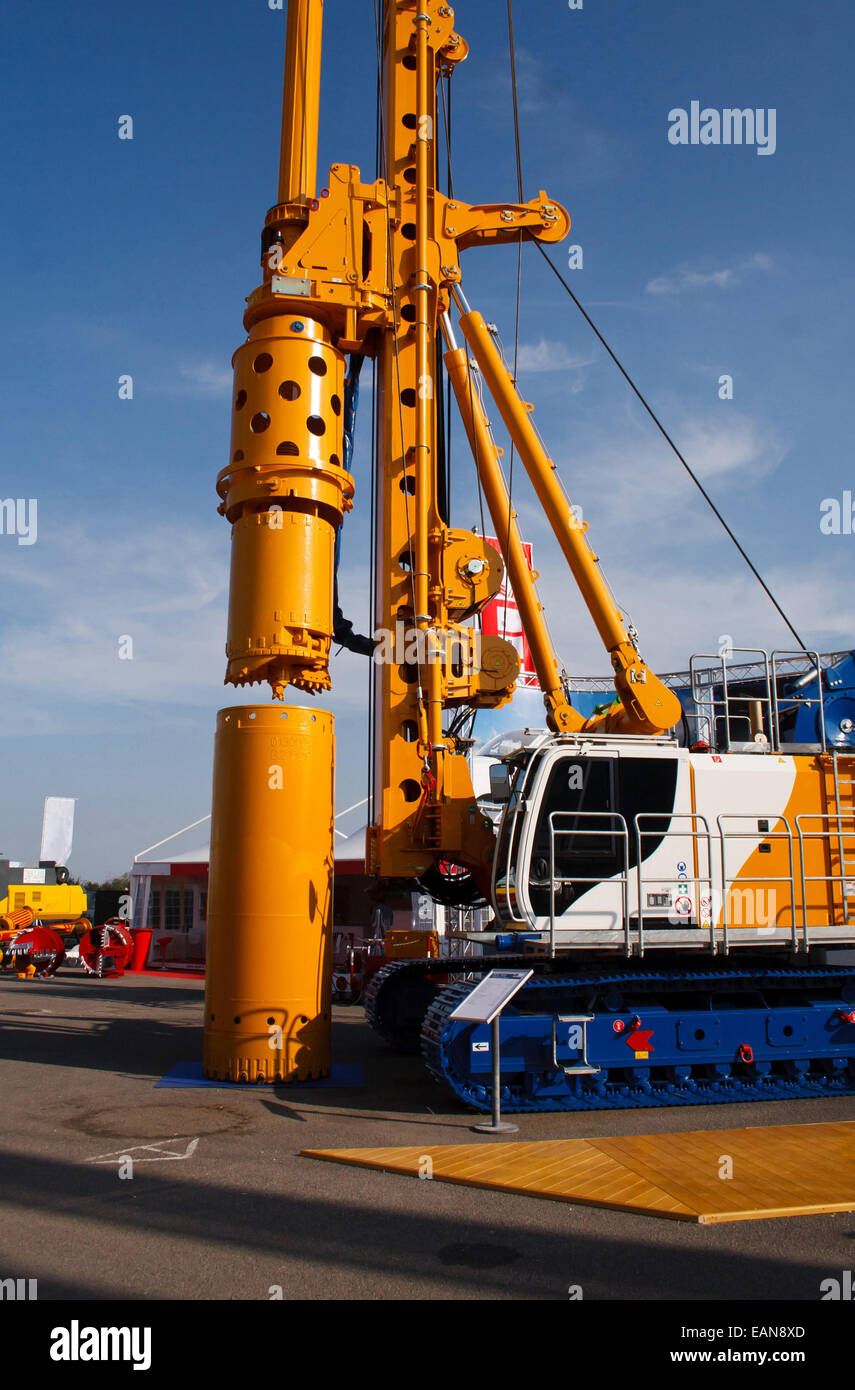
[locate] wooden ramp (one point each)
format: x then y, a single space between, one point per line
779 1170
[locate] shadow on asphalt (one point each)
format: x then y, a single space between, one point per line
422 1245
73 988
148 1043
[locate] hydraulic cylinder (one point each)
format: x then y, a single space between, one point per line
298 157
560 714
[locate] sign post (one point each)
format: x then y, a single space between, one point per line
485 1005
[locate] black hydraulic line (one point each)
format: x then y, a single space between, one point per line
372 579
516 98
518 148
343 631
441 375
666 436
657 422
379 21
445 94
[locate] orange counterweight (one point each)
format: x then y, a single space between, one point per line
267 994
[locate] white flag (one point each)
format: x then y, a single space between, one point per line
57 828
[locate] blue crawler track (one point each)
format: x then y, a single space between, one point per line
400 993
690 1037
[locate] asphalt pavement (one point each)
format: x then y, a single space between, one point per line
218 1203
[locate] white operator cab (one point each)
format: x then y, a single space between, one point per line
629 844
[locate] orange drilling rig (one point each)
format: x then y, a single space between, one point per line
622 838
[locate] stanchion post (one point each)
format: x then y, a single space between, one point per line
485 1005
496 1125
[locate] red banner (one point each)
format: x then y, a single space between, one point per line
501 618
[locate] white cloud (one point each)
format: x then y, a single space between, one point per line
691 279
711 447
636 496
594 154
684 605
536 91
549 356
663 552
204 378
685 278
162 585
165 587
629 483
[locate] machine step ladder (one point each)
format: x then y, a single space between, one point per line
842 807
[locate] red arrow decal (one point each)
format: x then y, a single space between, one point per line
639 1040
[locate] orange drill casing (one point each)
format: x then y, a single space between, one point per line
268 977
285 493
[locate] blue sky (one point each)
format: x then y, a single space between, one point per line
135 257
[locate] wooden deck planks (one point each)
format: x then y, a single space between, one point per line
778 1170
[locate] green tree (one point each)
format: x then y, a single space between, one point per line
120 884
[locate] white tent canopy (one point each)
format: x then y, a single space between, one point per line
350 848
154 863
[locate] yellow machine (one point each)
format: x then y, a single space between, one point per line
38 893
372 270
37 904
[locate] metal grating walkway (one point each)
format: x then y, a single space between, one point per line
779 1170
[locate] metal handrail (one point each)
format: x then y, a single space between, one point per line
783 655
724 701
822 878
509 896
696 878
515 808
622 879
677 680
704 731
726 835
838 783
